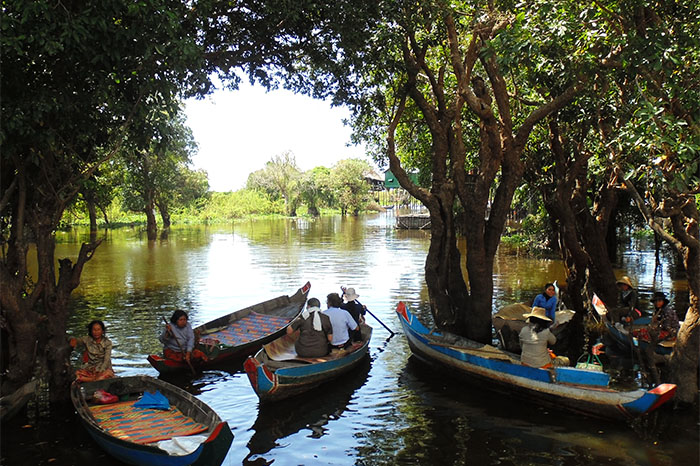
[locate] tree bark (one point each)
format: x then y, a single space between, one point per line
37 312
151 225
164 214
92 214
685 358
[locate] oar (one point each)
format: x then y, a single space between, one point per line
189 363
377 319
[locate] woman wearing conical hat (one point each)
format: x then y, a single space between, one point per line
628 300
535 337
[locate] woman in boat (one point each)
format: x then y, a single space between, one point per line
535 337
315 331
628 300
664 320
97 357
341 321
548 301
355 308
178 339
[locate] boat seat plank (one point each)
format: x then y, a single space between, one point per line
249 328
144 425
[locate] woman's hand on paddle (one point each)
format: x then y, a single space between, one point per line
168 329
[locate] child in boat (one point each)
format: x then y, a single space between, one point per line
315 331
548 301
97 358
534 338
355 308
178 339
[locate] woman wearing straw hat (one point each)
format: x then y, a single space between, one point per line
356 309
628 300
534 339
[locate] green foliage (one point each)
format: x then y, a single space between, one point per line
658 69
350 189
223 207
316 190
279 179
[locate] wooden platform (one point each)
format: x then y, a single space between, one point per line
413 221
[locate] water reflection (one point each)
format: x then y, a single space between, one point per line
311 413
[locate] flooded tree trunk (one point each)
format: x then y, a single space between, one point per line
37 315
151 225
56 309
449 299
92 214
164 214
685 359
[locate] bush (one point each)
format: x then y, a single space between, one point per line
239 204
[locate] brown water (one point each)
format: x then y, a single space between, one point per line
393 410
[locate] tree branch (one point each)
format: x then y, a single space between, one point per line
653 224
556 104
394 162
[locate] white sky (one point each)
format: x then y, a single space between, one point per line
239 131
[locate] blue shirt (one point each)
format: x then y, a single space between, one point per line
342 322
549 304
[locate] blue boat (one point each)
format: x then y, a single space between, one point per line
621 339
276 372
189 432
568 388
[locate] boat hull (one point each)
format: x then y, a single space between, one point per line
210 453
277 383
588 395
283 308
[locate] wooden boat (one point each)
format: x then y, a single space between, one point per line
577 390
305 412
621 339
138 435
240 333
618 336
510 320
277 372
11 404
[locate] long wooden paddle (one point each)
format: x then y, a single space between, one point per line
189 363
377 319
